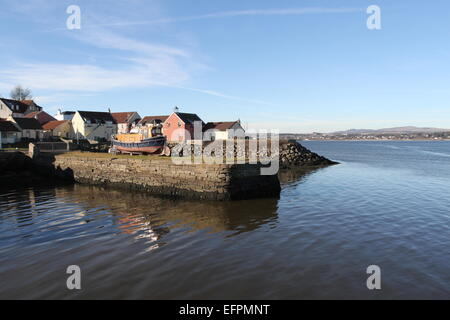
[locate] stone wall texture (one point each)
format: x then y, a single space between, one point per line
162 177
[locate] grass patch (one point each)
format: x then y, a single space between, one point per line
14 149
97 155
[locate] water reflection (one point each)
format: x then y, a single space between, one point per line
296 175
312 243
75 211
136 212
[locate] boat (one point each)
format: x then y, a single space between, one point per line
126 144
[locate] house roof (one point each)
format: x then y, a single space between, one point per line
30 102
188 117
149 119
41 116
8 126
96 117
53 124
15 106
220 126
28 123
122 117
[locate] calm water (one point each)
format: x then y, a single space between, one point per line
386 204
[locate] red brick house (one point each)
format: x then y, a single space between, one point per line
179 126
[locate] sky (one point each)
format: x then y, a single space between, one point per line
295 66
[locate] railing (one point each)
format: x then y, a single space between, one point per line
53 146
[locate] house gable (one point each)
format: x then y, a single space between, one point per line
180 126
11 107
125 117
93 125
41 116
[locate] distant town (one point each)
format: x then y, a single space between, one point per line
23 121
400 133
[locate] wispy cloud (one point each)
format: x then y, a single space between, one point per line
138 64
237 13
223 95
109 40
143 64
90 78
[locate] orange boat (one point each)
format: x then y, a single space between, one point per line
135 143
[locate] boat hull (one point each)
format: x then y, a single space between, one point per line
147 146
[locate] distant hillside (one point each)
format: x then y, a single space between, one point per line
396 130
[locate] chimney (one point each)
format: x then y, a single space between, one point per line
176 109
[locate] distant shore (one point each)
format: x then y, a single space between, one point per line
377 140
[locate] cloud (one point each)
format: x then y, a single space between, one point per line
89 78
108 40
239 13
143 65
138 64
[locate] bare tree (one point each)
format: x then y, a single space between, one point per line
20 93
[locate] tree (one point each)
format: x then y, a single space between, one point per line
20 93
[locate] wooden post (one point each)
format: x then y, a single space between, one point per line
33 150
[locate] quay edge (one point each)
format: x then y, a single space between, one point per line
160 176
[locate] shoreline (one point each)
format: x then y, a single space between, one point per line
159 175
374 140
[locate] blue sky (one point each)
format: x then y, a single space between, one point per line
296 66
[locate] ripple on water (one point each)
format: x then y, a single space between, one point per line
316 241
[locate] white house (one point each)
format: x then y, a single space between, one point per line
93 125
223 130
126 121
12 108
150 125
64 115
9 132
30 128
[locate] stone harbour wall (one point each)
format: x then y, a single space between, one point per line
162 177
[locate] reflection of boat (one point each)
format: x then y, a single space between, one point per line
133 143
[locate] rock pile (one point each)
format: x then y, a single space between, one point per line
293 154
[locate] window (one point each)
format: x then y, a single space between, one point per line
179 124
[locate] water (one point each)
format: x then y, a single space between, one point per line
385 204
